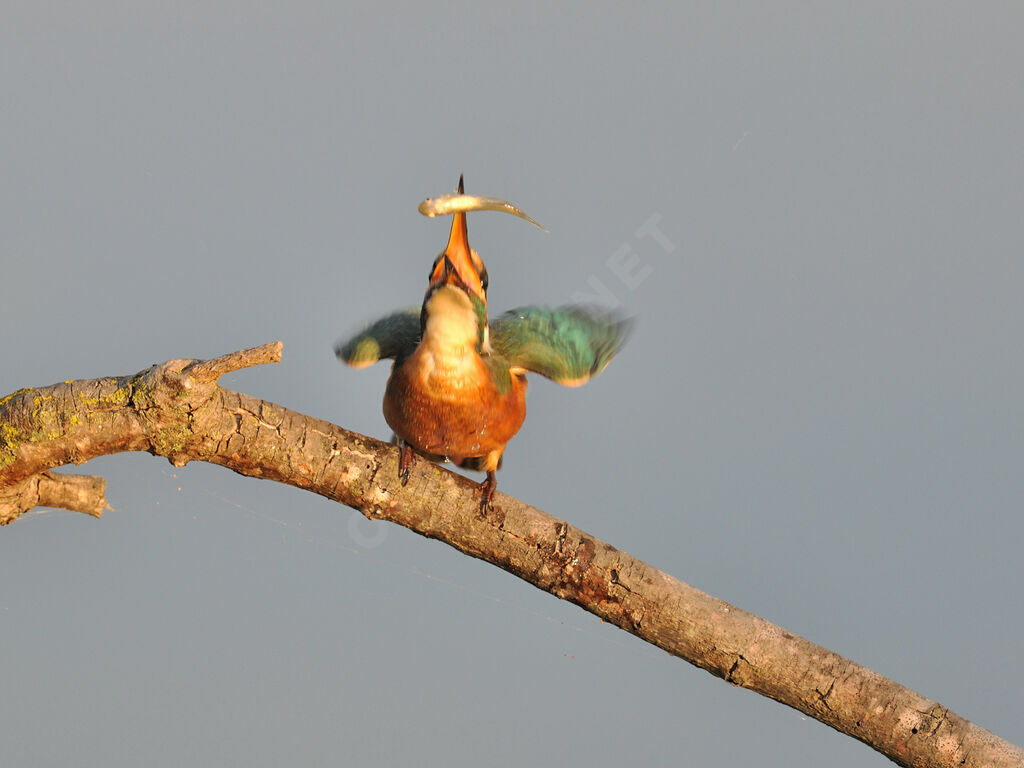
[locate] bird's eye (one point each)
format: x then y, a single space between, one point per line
483 279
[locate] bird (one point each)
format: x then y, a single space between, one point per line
457 389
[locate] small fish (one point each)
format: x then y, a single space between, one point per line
445 205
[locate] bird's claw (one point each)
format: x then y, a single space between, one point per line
486 490
404 461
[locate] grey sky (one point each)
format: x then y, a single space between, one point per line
818 417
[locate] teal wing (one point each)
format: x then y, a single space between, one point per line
394 336
569 345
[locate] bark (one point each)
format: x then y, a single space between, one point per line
177 410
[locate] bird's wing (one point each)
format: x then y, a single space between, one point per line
569 345
395 336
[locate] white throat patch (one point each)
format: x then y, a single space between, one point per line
451 321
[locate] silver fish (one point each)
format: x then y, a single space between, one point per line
445 205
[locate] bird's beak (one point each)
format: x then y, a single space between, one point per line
459 264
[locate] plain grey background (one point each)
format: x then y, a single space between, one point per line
818 418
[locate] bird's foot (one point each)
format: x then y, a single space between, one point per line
404 460
486 490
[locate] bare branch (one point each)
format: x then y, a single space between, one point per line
177 410
211 370
78 493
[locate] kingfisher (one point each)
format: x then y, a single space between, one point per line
457 390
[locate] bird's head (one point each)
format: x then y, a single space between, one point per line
456 299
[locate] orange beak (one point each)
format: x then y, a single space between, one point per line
466 267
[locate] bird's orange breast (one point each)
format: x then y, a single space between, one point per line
449 404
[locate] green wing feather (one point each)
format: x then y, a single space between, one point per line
394 336
569 345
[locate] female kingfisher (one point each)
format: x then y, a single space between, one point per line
457 389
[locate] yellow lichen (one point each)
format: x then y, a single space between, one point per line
171 440
10 438
6 399
42 414
118 397
106 402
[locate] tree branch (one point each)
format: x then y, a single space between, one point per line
177 410
78 493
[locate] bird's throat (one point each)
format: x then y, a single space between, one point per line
452 325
